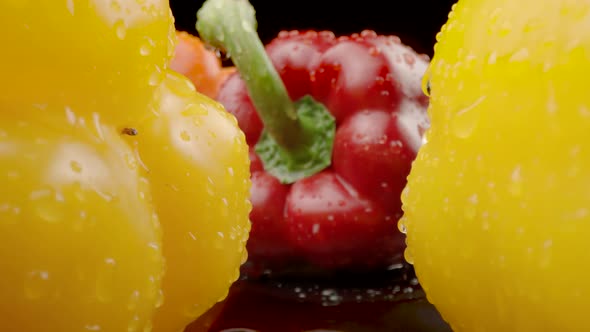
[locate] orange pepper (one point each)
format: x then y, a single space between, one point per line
199 64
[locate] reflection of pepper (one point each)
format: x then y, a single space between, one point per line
110 206
202 66
326 187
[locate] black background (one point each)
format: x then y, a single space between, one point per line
416 22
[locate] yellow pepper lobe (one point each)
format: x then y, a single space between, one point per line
197 161
497 205
112 54
79 240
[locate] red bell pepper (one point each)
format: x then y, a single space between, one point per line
329 168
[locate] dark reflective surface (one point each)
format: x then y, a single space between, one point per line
384 302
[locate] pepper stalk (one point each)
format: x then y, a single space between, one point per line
298 137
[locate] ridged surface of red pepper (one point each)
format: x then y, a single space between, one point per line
346 215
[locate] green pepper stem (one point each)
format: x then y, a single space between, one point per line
230 25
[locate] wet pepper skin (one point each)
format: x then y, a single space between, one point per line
346 215
200 64
497 203
123 192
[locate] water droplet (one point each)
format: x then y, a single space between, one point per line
133 324
246 26
465 120
70 115
115 5
82 221
374 51
520 55
396 266
48 205
155 78
145 50
581 213
192 310
13 175
439 36
584 111
492 58
120 29
105 280
76 166
92 327
218 241
315 228
159 298
155 250
133 300
185 136
36 284
401 225
470 208
130 161
39 194
221 54
409 59
194 110
409 256
106 196
70 5
148 326
330 297
515 183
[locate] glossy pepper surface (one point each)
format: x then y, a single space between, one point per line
114 215
196 162
200 64
496 207
100 49
80 242
342 213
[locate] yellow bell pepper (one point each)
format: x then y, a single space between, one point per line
78 236
102 50
497 206
123 200
197 164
